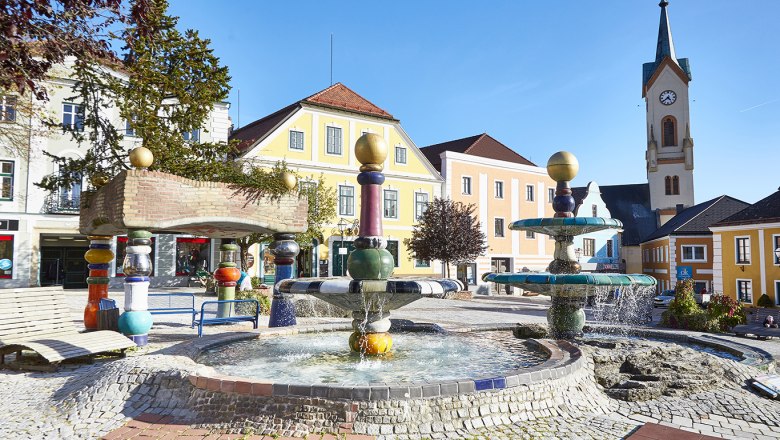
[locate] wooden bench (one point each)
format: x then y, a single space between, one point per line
755 324
232 309
173 303
40 321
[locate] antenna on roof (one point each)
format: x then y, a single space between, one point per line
331 58
238 109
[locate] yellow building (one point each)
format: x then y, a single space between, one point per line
683 247
747 252
505 187
316 136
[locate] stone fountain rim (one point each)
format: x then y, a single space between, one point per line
564 359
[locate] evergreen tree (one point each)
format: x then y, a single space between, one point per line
448 231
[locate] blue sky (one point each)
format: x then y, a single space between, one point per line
538 76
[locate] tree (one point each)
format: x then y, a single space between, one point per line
166 85
321 210
447 231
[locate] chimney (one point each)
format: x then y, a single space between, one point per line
680 208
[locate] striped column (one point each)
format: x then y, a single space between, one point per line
284 249
99 256
136 321
226 275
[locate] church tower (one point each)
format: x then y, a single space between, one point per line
669 153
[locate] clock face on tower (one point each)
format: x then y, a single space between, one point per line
667 97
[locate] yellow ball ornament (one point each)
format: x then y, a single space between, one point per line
563 166
371 149
289 180
141 157
371 343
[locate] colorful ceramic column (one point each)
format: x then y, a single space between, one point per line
99 256
563 167
136 321
284 249
370 261
226 275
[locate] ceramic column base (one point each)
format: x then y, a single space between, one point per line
282 311
226 293
565 317
136 325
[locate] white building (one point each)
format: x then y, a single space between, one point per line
39 230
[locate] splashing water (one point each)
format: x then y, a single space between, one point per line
623 306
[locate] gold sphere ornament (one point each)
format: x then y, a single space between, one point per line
289 180
562 166
371 149
98 180
141 157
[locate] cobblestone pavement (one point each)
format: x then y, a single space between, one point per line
65 405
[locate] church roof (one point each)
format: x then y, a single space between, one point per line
338 96
697 219
664 49
482 145
766 210
628 203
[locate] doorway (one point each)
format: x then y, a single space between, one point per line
500 265
64 266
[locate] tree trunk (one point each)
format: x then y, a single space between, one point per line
447 265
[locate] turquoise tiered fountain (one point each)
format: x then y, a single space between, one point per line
567 287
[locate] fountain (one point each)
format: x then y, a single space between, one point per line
567 287
370 294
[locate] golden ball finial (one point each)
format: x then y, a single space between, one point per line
141 157
562 166
289 180
98 180
371 151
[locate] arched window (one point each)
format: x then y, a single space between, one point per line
668 185
675 185
669 131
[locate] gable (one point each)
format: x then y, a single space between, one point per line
674 67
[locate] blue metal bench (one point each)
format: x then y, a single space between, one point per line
173 304
228 307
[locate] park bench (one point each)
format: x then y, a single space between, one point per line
755 324
40 321
173 304
227 311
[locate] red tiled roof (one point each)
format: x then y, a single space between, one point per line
482 145
337 96
342 97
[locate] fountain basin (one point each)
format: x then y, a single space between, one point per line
567 226
569 285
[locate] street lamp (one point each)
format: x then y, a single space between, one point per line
342 225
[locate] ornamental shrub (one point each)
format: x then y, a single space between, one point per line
726 311
765 301
683 311
246 308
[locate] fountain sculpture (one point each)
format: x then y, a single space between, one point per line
563 282
370 294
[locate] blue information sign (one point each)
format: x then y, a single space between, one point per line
5 264
684 272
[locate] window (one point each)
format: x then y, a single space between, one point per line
346 200
777 293
499 190
6 180
588 247
296 140
400 155
530 235
191 136
466 185
498 226
676 185
550 195
610 253
186 263
743 250
422 263
392 247
391 203
192 255
129 130
72 117
420 204
669 132
594 210
745 291
694 254
776 240
7 108
309 189
6 256
529 193
333 141
70 197
668 185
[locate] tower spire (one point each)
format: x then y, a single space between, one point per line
665 45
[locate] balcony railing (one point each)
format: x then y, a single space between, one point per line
62 204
